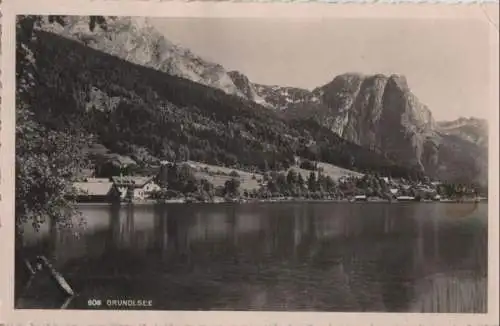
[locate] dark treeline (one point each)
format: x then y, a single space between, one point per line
149 115
180 180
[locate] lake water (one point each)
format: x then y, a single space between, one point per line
404 257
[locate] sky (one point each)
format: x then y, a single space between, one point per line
445 62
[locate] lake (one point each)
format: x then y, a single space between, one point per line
378 257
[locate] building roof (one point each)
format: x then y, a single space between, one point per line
97 179
93 188
136 182
121 160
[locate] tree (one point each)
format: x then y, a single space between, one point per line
47 160
234 174
231 187
308 165
272 186
266 166
300 181
186 181
47 163
162 177
311 182
281 181
167 153
321 182
291 177
330 185
183 153
208 187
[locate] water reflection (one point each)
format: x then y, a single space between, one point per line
330 257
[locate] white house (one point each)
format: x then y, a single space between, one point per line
360 198
135 188
405 198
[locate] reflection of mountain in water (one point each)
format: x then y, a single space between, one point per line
276 257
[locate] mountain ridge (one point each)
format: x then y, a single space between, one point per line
159 116
377 112
380 112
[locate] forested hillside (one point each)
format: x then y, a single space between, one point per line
150 115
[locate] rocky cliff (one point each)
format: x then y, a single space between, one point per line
380 112
247 88
287 98
135 40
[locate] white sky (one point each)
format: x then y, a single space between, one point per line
445 62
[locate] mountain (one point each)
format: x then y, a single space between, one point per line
377 112
381 113
471 129
136 40
139 111
374 117
464 141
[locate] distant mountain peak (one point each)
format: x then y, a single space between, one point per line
471 129
398 81
136 40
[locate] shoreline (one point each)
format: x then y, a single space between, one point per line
277 201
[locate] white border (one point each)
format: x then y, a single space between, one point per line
487 13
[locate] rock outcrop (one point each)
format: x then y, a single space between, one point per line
381 113
246 87
135 40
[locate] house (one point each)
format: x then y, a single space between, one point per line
94 191
360 198
405 198
343 179
134 188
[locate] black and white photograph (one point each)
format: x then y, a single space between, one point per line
272 164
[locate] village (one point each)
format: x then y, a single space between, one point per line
195 182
